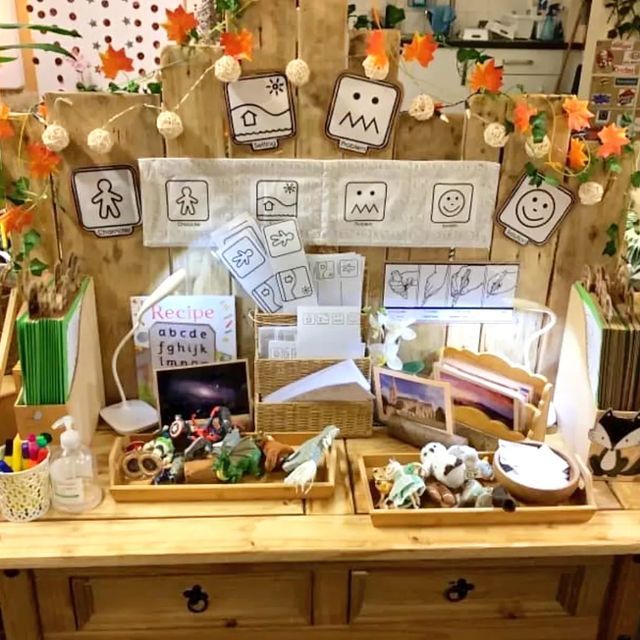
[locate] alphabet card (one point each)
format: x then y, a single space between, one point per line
260 110
533 213
107 199
182 331
362 113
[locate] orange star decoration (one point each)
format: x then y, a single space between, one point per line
577 157
15 219
578 115
376 48
114 61
486 77
612 139
421 49
179 25
239 45
42 162
6 128
522 114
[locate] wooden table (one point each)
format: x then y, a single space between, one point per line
318 568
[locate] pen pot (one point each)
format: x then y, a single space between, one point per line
25 495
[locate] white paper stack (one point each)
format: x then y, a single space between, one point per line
538 467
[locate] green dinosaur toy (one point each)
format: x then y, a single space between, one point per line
244 459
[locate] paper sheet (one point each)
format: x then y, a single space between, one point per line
355 202
534 466
329 332
446 292
337 278
274 333
343 382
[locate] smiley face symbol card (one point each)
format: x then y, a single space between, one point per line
533 213
362 113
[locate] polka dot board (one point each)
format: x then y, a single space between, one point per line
132 24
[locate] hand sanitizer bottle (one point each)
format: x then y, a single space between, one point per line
73 472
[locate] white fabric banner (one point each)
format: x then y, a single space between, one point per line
335 202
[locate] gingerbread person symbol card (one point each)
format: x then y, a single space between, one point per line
362 113
533 213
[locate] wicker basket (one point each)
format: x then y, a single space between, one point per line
25 495
355 419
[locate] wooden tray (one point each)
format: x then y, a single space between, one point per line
580 508
270 487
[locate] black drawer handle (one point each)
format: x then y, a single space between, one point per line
458 590
197 599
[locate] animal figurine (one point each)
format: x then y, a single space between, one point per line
302 465
383 486
161 447
475 468
244 459
428 454
615 434
498 498
407 488
440 494
275 453
449 470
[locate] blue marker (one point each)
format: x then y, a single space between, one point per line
4 467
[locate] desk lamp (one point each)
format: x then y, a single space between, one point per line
130 416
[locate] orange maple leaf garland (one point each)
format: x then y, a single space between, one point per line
486 77
238 45
522 114
578 115
612 138
15 219
376 48
42 162
6 128
577 157
421 49
179 25
114 61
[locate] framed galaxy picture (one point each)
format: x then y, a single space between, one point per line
614 446
192 392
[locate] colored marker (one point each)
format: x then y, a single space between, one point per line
17 453
33 447
8 453
4 467
42 455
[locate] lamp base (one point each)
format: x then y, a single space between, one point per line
129 416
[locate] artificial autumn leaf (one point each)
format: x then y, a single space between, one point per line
612 139
6 128
376 48
239 45
522 114
421 49
42 110
179 25
15 219
42 161
578 114
114 61
486 77
577 157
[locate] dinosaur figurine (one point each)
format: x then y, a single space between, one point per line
302 465
243 459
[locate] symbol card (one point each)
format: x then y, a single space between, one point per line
532 214
276 199
365 201
452 203
187 200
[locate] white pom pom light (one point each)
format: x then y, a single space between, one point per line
495 135
373 70
537 149
422 107
100 141
55 137
298 72
227 69
169 125
590 193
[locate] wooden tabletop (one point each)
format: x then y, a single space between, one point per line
333 530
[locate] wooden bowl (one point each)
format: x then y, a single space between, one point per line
531 495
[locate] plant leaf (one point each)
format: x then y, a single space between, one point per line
393 16
362 22
42 28
40 46
6 59
37 267
635 179
30 240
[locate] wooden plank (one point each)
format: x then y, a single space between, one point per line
621 620
17 603
536 263
323 45
432 139
204 120
330 597
628 493
342 501
120 266
605 497
581 240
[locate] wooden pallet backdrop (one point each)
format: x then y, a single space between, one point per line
315 31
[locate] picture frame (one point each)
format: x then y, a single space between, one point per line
225 383
423 400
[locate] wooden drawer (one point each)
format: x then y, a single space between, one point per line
469 593
238 597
